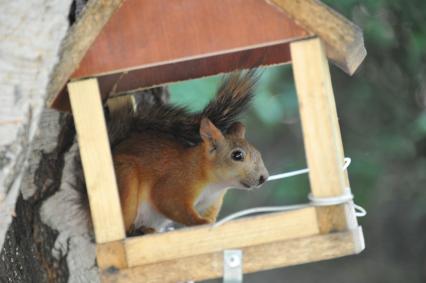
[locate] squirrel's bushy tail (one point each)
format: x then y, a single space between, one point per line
232 98
121 114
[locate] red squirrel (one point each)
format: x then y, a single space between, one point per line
176 166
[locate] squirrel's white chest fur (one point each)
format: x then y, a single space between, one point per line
148 216
208 196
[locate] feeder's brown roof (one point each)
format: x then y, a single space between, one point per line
150 42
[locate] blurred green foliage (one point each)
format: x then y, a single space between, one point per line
382 98
275 104
382 113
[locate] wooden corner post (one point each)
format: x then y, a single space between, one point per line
97 161
322 138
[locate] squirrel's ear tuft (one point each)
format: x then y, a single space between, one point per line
237 129
209 133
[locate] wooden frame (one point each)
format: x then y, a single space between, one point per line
306 235
208 37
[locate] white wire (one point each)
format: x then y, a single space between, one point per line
314 201
255 210
287 175
347 162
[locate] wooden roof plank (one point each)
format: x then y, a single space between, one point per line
222 31
81 36
343 39
146 33
117 83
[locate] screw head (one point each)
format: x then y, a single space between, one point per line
234 261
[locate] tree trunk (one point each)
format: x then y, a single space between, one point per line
37 247
47 236
51 238
31 32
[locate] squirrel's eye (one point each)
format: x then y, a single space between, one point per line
238 155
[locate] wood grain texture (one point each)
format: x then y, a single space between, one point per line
139 45
177 71
255 258
236 234
81 36
343 39
96 159
137 36
321 132
111 255
149 49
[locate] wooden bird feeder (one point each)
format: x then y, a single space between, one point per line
115 48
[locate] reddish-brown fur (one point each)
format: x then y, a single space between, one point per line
173 165
153 168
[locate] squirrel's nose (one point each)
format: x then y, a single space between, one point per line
262 179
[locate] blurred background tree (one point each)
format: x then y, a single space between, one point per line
383 120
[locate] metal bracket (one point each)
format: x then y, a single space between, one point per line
232 266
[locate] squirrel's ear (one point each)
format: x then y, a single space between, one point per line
209 133
237 129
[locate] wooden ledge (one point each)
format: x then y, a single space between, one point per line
255 258
235 234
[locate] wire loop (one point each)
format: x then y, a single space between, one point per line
346 197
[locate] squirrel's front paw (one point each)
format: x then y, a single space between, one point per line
202 221
141 231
